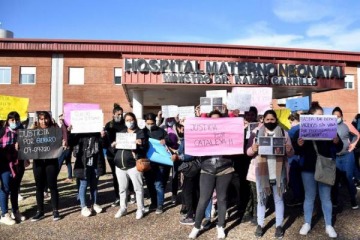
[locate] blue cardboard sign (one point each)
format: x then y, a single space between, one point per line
158 153
298 104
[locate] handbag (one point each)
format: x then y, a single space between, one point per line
143 165
325 169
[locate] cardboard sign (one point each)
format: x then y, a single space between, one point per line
9 104
126 141
186 112
208 104
158 153
298 104
40 143
318 127
241 102
68 107
214 136
169 111
87 121
271 146
261 97
217 93
328 110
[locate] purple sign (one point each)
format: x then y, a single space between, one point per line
318 127
68 107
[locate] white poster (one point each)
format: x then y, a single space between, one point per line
169 111
218 93
261 97
186 112
271 146
126 141
241 102
208 104
87 121
141 123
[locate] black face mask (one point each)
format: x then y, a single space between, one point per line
271 126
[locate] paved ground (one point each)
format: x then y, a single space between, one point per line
165 226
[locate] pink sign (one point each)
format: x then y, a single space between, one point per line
214 136
68 107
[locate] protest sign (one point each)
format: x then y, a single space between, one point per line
261 97
158 153
9 104
283 118
186 112
328 110
318 127
86 121
217 93
210 104
298 104
241 102
250 128
141 123
271 146
68 107
126 141
214 136
169 111
40 143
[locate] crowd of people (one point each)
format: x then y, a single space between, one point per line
210 185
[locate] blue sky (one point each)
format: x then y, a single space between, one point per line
319 24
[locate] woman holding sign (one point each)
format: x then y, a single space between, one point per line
125 162
9 170
271 169
309 153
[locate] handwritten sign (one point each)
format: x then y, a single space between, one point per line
261 97
241 102
217 93
68 107
271 146
298 104
169 111
126 141
87 121
318 127
10 104
158 153
186 112
40 143
214 136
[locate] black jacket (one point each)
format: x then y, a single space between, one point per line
124 158
215 164
157 134
111 128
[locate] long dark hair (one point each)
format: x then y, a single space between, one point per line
314 107
12 115
134 117
46 116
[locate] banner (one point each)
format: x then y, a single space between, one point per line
40 143
169 111
158 153
214 136
271 146
318 127
186 112
68 107
10 104
126 141
261 97
87 121
298 104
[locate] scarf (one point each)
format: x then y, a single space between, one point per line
262 177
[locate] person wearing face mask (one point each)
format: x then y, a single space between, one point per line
309 156
345 160
9 170
271 172
125 161
116 125
158 176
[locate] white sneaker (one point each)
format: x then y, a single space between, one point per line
20 198
85 212
17 216
6 219
194 232
121 212
221 232
97 208
305 229
331 231
139 214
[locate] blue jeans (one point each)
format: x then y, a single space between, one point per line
8 187
345 165
162 176
66 156
208 210
310 187
295 181
92 181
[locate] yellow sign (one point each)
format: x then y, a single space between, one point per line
282 115
9 104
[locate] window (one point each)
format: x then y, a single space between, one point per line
118 75
76 76
349 82
5 75
27 75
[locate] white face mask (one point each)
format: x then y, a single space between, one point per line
130 125
118 118
339 120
